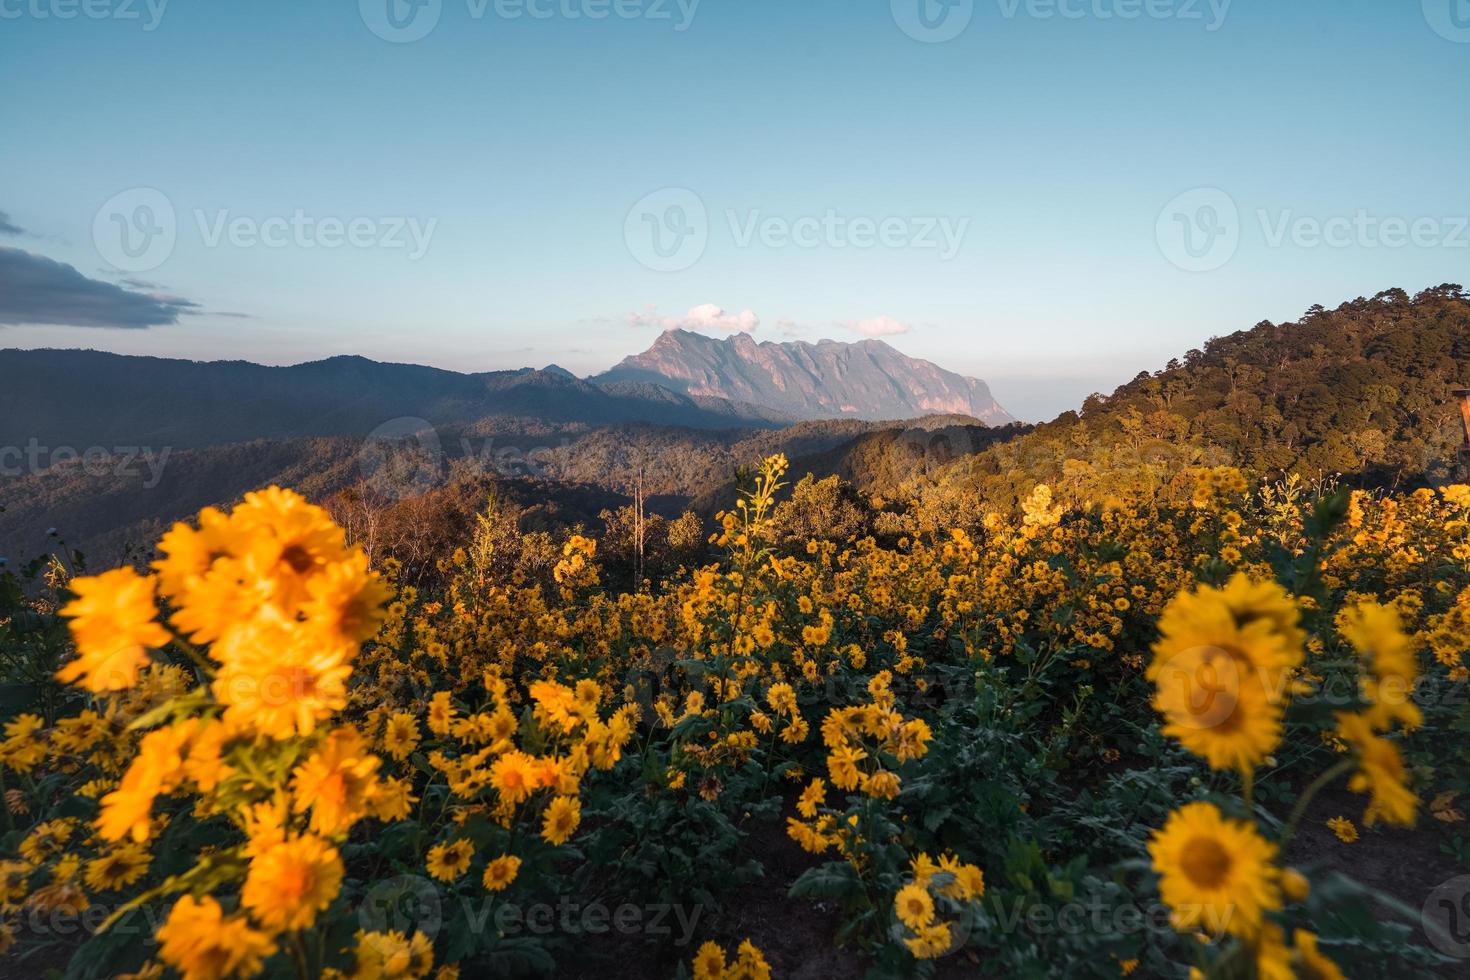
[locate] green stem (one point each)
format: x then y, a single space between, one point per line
1316 786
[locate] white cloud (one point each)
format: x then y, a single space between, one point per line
878 326
708 318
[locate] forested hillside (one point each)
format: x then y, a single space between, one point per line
1362 392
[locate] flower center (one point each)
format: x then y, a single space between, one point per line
1205 862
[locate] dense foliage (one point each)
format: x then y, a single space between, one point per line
987 740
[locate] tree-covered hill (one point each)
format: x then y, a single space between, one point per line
1362 392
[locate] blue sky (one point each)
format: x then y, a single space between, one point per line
1010 202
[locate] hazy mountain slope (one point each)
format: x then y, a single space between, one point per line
828 379
108 507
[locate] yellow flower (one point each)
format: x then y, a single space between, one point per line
203 765
392 799
882 784
1273 959
336 782
278 680
513 777
157 769
931 941
1380 772
114 620
563 815
556 704
290 882
289 541
969 880
1295 886
448 861
441 713
812 797
392 955
750 964
1376 632
842 766
1222 669
1343 828
914 906
1215 874
500 872
709 962
345 601
199 942
118 869
188 554
1309 961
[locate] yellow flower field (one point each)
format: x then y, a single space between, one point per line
1083 711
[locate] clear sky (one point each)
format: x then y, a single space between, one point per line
1047 194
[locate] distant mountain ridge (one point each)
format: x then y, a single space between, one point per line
829 379
84 398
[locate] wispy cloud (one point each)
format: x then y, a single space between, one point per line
8 227
878 326
36 290
708 318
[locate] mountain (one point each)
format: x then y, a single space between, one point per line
80 399
1361 394
828 379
